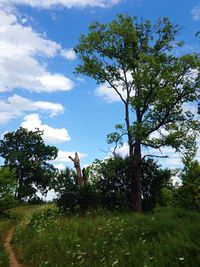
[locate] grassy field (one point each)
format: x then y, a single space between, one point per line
19 215
163 238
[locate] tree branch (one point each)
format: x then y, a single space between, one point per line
156 156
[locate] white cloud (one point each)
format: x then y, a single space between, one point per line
19 67
60 166
173 159
109 94
63 156
64 3
122 150
56 82
68 54
16 106
51 135
198 149
196 13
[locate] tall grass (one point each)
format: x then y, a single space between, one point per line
19 215
164 238
4 226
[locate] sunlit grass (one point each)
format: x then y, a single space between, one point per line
17 216
164 238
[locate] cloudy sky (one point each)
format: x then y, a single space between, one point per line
37 86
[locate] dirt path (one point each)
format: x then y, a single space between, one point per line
9 249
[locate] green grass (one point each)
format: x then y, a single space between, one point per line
4 226
164 238
17 216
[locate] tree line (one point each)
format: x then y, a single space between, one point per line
27 170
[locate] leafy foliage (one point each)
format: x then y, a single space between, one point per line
188 195
70 196
7 190
136 60
112 179
154 180
25 152
110 186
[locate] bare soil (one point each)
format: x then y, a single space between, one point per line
7 244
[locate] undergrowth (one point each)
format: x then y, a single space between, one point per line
17 216
4 226
163 238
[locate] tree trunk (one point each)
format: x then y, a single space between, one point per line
136 183
82 178
127 120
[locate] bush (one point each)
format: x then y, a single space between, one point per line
70 197
7 190
112 179
110 186
188 194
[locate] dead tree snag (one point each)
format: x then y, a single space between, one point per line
81 174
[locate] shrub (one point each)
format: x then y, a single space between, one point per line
7 190
112 179
188 194
70 197
110 186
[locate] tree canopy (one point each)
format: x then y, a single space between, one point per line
26 153
156 87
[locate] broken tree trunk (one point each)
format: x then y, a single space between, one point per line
81 175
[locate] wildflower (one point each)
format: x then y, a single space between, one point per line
103 259
115 263
181 259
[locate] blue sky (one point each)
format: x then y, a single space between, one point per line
37 84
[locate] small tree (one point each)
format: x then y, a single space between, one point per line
136 60
188 194
7 190
25 152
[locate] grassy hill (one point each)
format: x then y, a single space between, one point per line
43 237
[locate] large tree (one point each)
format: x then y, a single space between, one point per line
26 153
136 60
